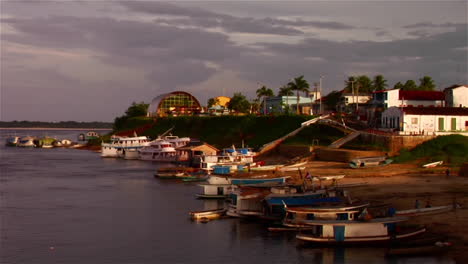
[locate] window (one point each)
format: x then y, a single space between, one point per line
414 120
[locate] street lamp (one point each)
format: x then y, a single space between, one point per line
320 111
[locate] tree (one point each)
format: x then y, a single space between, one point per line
212 102
285 91
239 103
332 99
298 84
398 85
379 83
426 84
137 109
410 85
350 84
364 84
264 92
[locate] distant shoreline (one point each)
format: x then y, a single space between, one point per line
51 128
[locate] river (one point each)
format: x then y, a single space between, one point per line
71 206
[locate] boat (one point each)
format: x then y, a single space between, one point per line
66 142
425 211
26 142
433 164
90 135
173 172
158 150
367 162
12 141
119 145
208 214
328 177
208 162
356 225
176 141
248 181
215 191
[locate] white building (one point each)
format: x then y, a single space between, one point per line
350 100
426 120
397 97
456 96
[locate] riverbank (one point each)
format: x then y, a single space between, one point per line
401 185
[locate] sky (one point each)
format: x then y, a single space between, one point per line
89 60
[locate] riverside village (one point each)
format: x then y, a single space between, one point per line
368 165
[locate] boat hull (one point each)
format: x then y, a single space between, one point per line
207 214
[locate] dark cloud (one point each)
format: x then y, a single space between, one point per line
431 25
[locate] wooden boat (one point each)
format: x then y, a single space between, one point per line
372 231
329 177
432 249
425 211
207 214
174 172
367 162
433 164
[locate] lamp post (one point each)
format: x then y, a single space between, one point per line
320 111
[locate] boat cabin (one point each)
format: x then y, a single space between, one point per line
215 191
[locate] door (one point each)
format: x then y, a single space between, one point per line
441 124
220 190
339 232
454 124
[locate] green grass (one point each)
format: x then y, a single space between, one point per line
451 149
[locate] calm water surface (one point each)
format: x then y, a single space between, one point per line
71 206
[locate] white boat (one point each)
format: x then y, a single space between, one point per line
207 214
119 145
425 211
215 191
367 162
66 142
158 150
209 161
433 164
176 141
328 177
12 141
26 142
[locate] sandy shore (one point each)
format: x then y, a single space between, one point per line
401 185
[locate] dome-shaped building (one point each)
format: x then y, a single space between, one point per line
174 103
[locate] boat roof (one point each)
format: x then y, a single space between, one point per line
329 209
383 220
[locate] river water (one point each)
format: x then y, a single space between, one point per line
71 206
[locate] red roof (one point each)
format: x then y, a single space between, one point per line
454 111
421 95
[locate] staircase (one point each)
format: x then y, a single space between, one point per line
340 142
269 146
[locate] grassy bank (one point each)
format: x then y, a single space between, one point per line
451 149
223 131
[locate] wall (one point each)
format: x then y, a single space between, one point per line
343 155
396 143
460 96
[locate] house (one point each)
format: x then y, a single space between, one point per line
456 96
281 104
194 149
350 102
426 120
382 100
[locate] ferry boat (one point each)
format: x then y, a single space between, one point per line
158 150
119 146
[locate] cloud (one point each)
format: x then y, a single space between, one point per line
431 25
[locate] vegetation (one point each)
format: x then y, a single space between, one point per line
239 103
451 149
136 110
61 124
285 91
212 101
298 84
263 93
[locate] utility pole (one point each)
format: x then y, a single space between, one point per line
321 94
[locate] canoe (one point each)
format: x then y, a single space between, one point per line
207 214
211 196
433 164
330 177
425 211
169 175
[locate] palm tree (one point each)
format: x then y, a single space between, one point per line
264 92
364 84
379 83
350 83
285 91
426 84
298 84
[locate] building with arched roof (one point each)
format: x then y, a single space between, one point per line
174 103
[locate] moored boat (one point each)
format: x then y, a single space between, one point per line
368 162
119 145
433 164
26 142
215 191
425 211
12 141
158 150
207 214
